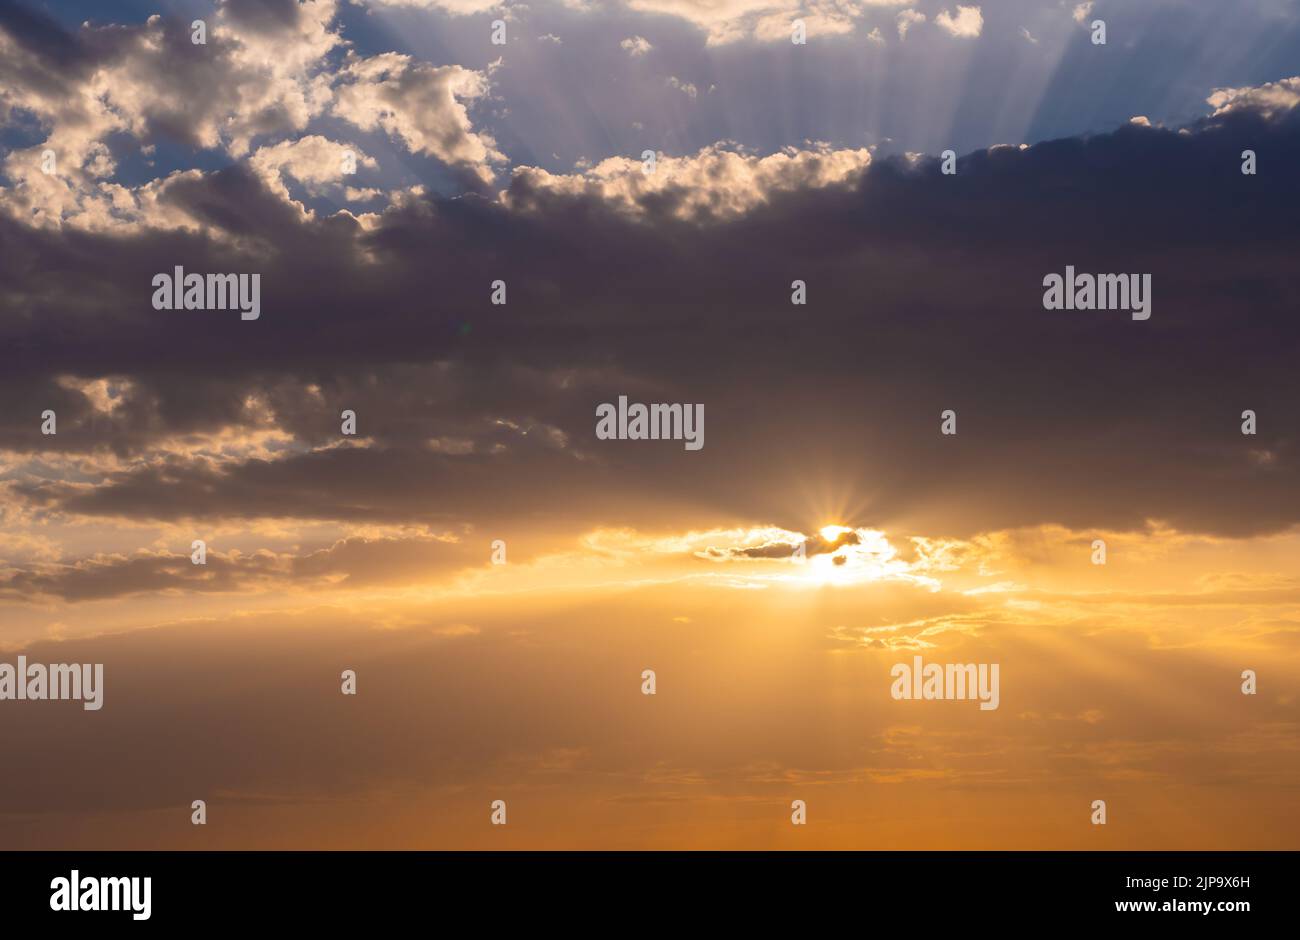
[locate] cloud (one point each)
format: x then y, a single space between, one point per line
967 23
715 183
781 546
686 88
636 46
347 564
458 402
310 160
1269 99
422 105
263 72
907 19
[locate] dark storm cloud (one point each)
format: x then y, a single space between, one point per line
925 293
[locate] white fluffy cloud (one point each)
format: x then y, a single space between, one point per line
313 161
422 105
1270 99
716 183
258 75
636 46
966 23
906 20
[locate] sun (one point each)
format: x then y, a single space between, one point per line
832 567
852 556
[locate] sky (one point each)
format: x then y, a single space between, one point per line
498 575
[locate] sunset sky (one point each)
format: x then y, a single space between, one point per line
476 423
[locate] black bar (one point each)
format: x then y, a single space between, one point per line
619 892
